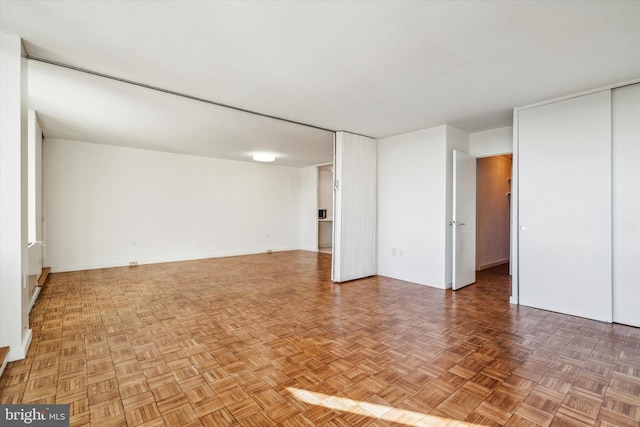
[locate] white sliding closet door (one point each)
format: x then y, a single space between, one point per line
564 187
354 243
626 204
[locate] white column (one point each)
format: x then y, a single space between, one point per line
14 298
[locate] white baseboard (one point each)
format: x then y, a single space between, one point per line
193 257
4 365
412 279
36 293
20 352
493 264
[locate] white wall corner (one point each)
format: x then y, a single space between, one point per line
19 352
34 298
411 234
14 297
457 139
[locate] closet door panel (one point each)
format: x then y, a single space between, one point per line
626 204
354 249
564 187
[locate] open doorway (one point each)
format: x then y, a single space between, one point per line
493 213
325 208
35 232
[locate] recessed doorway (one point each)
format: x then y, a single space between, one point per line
493 211
325 208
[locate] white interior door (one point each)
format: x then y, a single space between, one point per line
464 220
564 206
626 204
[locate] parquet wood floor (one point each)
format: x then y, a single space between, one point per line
266 340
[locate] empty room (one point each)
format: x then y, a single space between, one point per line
345 213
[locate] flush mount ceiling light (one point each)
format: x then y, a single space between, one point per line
264 157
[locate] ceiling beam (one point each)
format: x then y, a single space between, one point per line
171 92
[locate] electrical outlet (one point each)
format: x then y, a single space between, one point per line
133 263
269 251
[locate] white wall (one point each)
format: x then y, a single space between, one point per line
412 206
109 205
14 295
415 188
491 142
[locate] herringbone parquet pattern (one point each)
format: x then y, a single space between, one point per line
266 340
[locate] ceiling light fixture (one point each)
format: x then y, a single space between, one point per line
263 157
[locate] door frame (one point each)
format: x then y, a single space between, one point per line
510 153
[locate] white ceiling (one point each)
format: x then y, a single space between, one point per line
84 107
370 67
